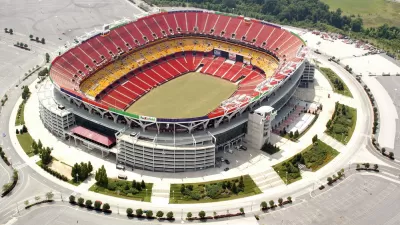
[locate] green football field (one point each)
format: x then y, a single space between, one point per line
191 95
373 12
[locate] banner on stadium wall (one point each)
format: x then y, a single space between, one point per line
217 52
232 56
148 118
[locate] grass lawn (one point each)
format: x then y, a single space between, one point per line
141 196
25 140
373 12
313 157
191 95
176 197
342 126
333 78
19 120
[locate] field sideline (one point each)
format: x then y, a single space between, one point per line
373 12
191 95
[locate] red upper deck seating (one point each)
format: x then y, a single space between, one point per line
75 65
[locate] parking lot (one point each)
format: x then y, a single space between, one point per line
354 201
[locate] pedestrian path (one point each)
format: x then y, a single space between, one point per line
160 193
332 142
267 179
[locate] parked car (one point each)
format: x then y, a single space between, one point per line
122 176
227 161
120 167
243 147
226 169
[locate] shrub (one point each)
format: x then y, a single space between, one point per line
106 207
241 210
81 201
88 203
329 179
366 165
170 215
160 214
149 214
264 204
280 201
376 166
391 155
272 203
139 212
129 212
202 214
189 215
289 199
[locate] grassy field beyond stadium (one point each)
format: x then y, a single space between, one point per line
373 12
190 95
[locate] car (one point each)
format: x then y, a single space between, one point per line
227 161
243 147
122 177
226 169
120 167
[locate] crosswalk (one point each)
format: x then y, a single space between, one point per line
19 165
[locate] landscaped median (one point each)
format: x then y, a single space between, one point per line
134 190
336 82
342 124
313 157
213 191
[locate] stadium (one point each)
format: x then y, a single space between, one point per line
167 91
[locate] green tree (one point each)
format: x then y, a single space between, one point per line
315 139
106 207
296 134
45 156
25 93
6 30
40 145
329 179
272 203
76 169
25 45
356 24
149 214
88 203
241 183
35 147
43 41
280 201
160 214
71 198
391 155
83 173
90 168
234 188
289 199
264 204
139 212
182 188
49 195
366 165
129 211
170 215
30 36
143 185
290 134
241 210
376 166
11 31
101 177
202 214
47 57
189 215
80 201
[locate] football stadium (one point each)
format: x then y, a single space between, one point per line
167 91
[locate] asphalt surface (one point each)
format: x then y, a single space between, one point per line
390 83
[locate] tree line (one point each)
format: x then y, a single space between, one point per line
304 13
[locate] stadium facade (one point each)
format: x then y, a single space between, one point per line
96 79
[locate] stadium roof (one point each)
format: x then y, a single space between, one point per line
94 136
